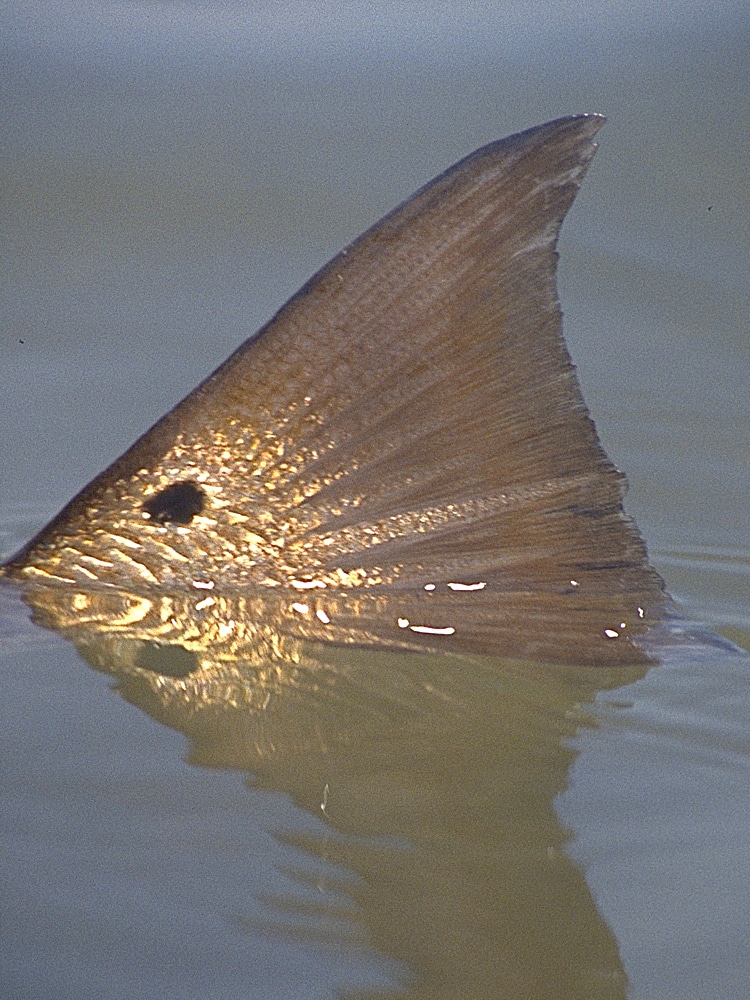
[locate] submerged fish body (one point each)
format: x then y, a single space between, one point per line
401 458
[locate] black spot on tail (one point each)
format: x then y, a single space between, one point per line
177 504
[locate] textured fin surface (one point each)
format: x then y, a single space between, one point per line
403 451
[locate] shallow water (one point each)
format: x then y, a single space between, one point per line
171 175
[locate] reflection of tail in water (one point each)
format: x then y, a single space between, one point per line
437 775
400 463
402 455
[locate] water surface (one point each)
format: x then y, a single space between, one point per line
172 173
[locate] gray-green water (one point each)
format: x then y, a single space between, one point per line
170 175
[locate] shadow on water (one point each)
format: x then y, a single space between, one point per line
435 777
